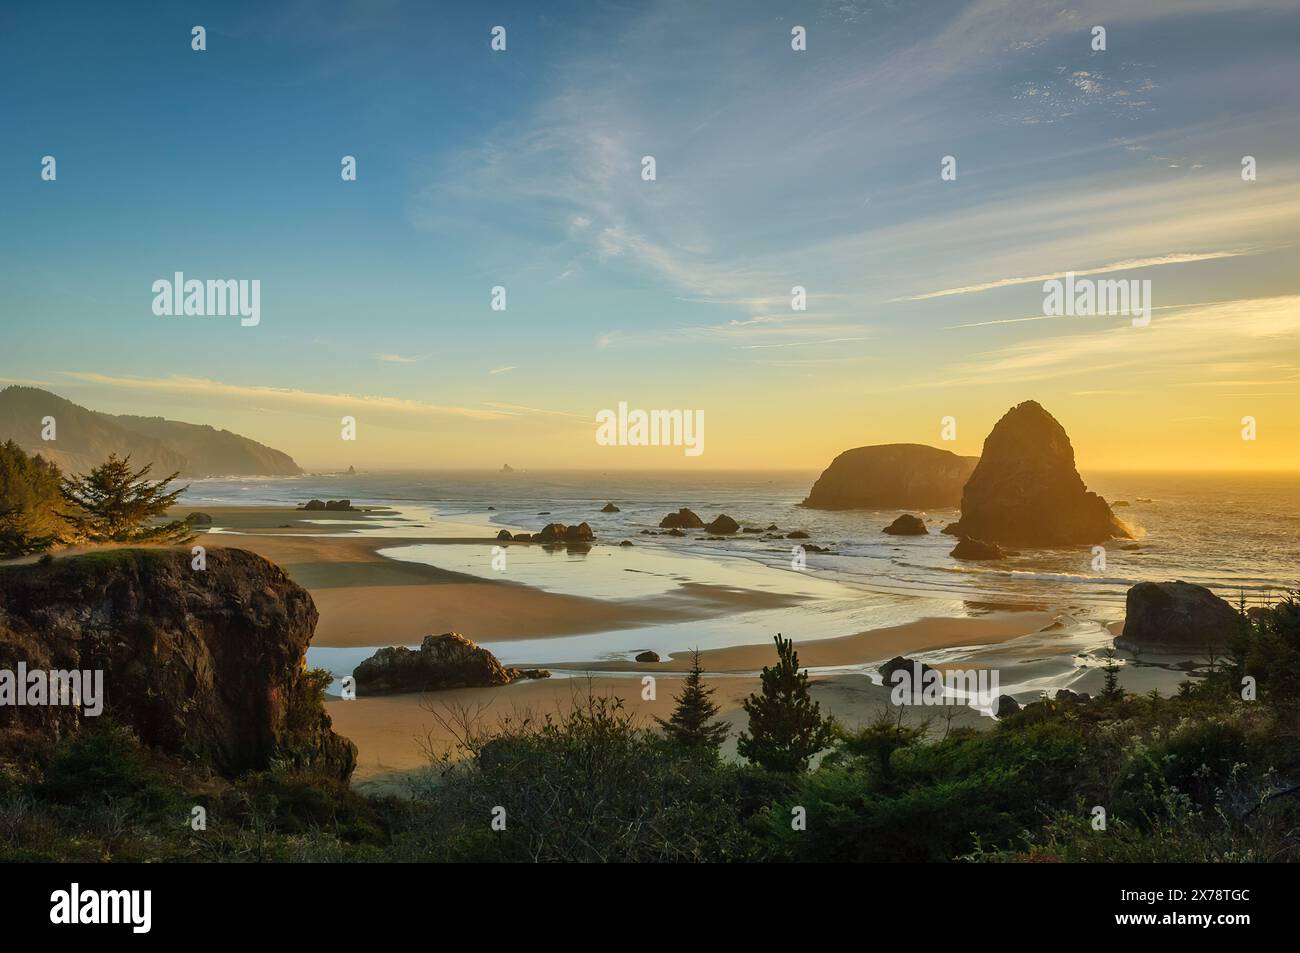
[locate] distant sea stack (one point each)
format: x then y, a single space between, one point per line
892 476
1026 491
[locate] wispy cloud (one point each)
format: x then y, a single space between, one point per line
1131 264
402 359
282 398
503 370
1229 330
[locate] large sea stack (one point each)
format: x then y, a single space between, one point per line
204 664
1026 491
892 476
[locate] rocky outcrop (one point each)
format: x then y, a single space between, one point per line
442 661
723 524
199 519
1172 617
1026 491
204 664
647 656
682 519
504 535
906 525
892 476
1006 706
560 533
975 549
609 508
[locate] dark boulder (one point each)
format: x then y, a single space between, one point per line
797 534
560 533
907 525
682 519
442 661
648 657
975 549
1006 706
1172 617
609 508
723 524
314 505
504 535
900 663
199 519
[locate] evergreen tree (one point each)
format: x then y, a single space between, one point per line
113 504
31 508
691 725
786 727
1111 690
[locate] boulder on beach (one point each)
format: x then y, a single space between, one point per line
442 661
626 542
901 663
560 533
723 524
888 476
1173 617
314 505
907 525
797 534
609 508
504 535
682 519
1006 705
1026 490
199 519
975 549
344 505
676 532
523 537
648 657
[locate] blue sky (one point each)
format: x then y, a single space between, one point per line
774 168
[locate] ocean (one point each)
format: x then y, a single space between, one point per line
1237 534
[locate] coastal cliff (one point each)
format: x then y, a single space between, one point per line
902 475
86 437
201 664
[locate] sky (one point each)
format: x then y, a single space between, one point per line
774 168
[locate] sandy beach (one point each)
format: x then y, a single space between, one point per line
367 599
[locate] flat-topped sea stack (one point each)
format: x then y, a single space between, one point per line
1026 490
892 476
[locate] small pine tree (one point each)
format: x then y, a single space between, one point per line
1111 690
691 725
112 504
786 727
